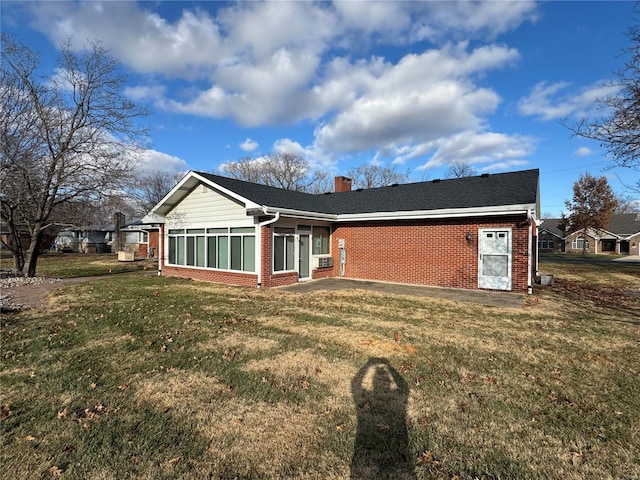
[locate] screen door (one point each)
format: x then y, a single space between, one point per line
494 269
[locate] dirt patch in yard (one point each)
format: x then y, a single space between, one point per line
622 299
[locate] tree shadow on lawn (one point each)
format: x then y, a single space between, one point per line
381 448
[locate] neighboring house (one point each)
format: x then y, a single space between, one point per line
141 239
474 232
551 235
622 236
85 240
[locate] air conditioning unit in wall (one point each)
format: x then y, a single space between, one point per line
323 262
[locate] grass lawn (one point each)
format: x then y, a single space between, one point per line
65 265
151 377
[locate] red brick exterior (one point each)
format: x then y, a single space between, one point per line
426 252
429 252
216 276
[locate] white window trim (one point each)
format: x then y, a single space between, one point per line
206 253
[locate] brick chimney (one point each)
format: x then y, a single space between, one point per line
342 184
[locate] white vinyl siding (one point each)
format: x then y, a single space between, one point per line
204 206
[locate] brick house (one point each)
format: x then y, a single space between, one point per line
475 232
622 236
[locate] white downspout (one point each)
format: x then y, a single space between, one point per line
530 252
259 242
160 248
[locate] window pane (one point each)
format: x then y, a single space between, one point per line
199 251
190 251
236 253
278 254
243 230
218 230
172 250
320 240
249 250
195 230
283 230
495 265
176 231
223 252
180 250
211 252
290 251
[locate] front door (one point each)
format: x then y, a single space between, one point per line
494 269
304 256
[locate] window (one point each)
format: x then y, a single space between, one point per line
283 249
220 248
144 237
321 236
580 243
546 244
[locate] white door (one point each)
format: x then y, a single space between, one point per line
494 268
304 257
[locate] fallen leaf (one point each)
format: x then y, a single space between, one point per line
175 459
62 414
122 386
340 427
29 438
55 471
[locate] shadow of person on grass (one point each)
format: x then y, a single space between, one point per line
381 449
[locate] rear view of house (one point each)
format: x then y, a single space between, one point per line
475 232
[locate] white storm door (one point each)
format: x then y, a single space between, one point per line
494 268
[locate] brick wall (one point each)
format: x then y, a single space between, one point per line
433 252
216 276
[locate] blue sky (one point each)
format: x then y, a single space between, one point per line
411 85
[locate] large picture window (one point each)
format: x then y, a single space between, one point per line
283 249
580 243
219 248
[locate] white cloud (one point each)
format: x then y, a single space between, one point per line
270 63
420 99
249 145
583 152
555 101
154 161
476 148
143 92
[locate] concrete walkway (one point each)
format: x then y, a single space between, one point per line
482 297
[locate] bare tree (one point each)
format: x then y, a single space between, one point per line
283 170
247 169
627 204
372 176
151 187
592 206
618 130
460 169
64 140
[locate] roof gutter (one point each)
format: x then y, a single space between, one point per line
442 213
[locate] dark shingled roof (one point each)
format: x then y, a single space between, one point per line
554 225
623 224
500 189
